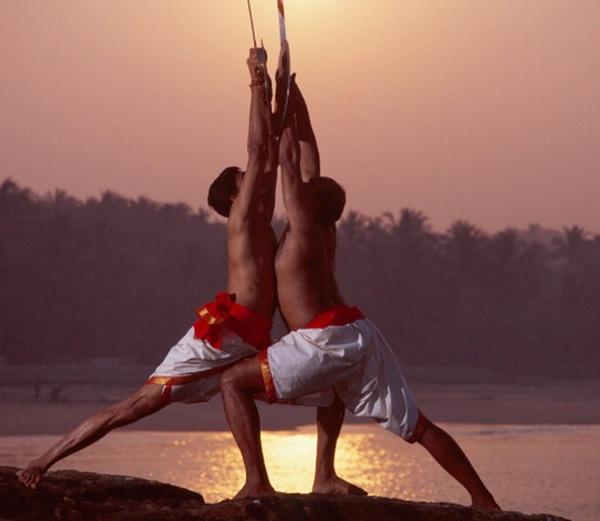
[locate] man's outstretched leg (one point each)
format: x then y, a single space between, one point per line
147 400
329 424
238 385
450 456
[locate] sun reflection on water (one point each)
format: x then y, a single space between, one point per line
213 466
517 462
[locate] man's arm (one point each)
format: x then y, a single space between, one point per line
310 164
295 198
258 138
269 182
269 178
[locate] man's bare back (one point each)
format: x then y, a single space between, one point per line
251 250
304 264
304 267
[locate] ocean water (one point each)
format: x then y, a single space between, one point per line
530 468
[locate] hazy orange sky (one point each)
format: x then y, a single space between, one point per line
487 110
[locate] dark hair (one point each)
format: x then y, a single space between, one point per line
222 189
329 199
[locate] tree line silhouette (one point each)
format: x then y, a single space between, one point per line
122 277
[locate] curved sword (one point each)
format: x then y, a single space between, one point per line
284 81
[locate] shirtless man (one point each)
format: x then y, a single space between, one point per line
237 323
330 344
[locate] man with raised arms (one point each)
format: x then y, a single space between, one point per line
237 323
330 343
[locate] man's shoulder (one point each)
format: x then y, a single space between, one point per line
248 224
310 230
239 220
251 233
300 243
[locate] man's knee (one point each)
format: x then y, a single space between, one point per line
245 377
230 380
150 398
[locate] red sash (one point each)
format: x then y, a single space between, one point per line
336 316
225 312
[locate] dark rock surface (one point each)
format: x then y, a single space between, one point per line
83 496
75 496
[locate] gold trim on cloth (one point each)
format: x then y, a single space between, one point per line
209 317
267 376
187 378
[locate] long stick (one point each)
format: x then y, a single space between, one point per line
283 38
282 35
252 23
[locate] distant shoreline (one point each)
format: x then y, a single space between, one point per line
538 402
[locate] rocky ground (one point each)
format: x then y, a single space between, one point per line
84 496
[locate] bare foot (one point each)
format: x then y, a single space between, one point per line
251 490
32 474
487 503
337 486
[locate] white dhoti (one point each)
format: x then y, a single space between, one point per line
225 333
192 368
355 359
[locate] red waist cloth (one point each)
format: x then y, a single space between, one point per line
336 316
225 312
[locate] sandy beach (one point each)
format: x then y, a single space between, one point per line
440 394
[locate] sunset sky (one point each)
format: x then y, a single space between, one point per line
487 110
